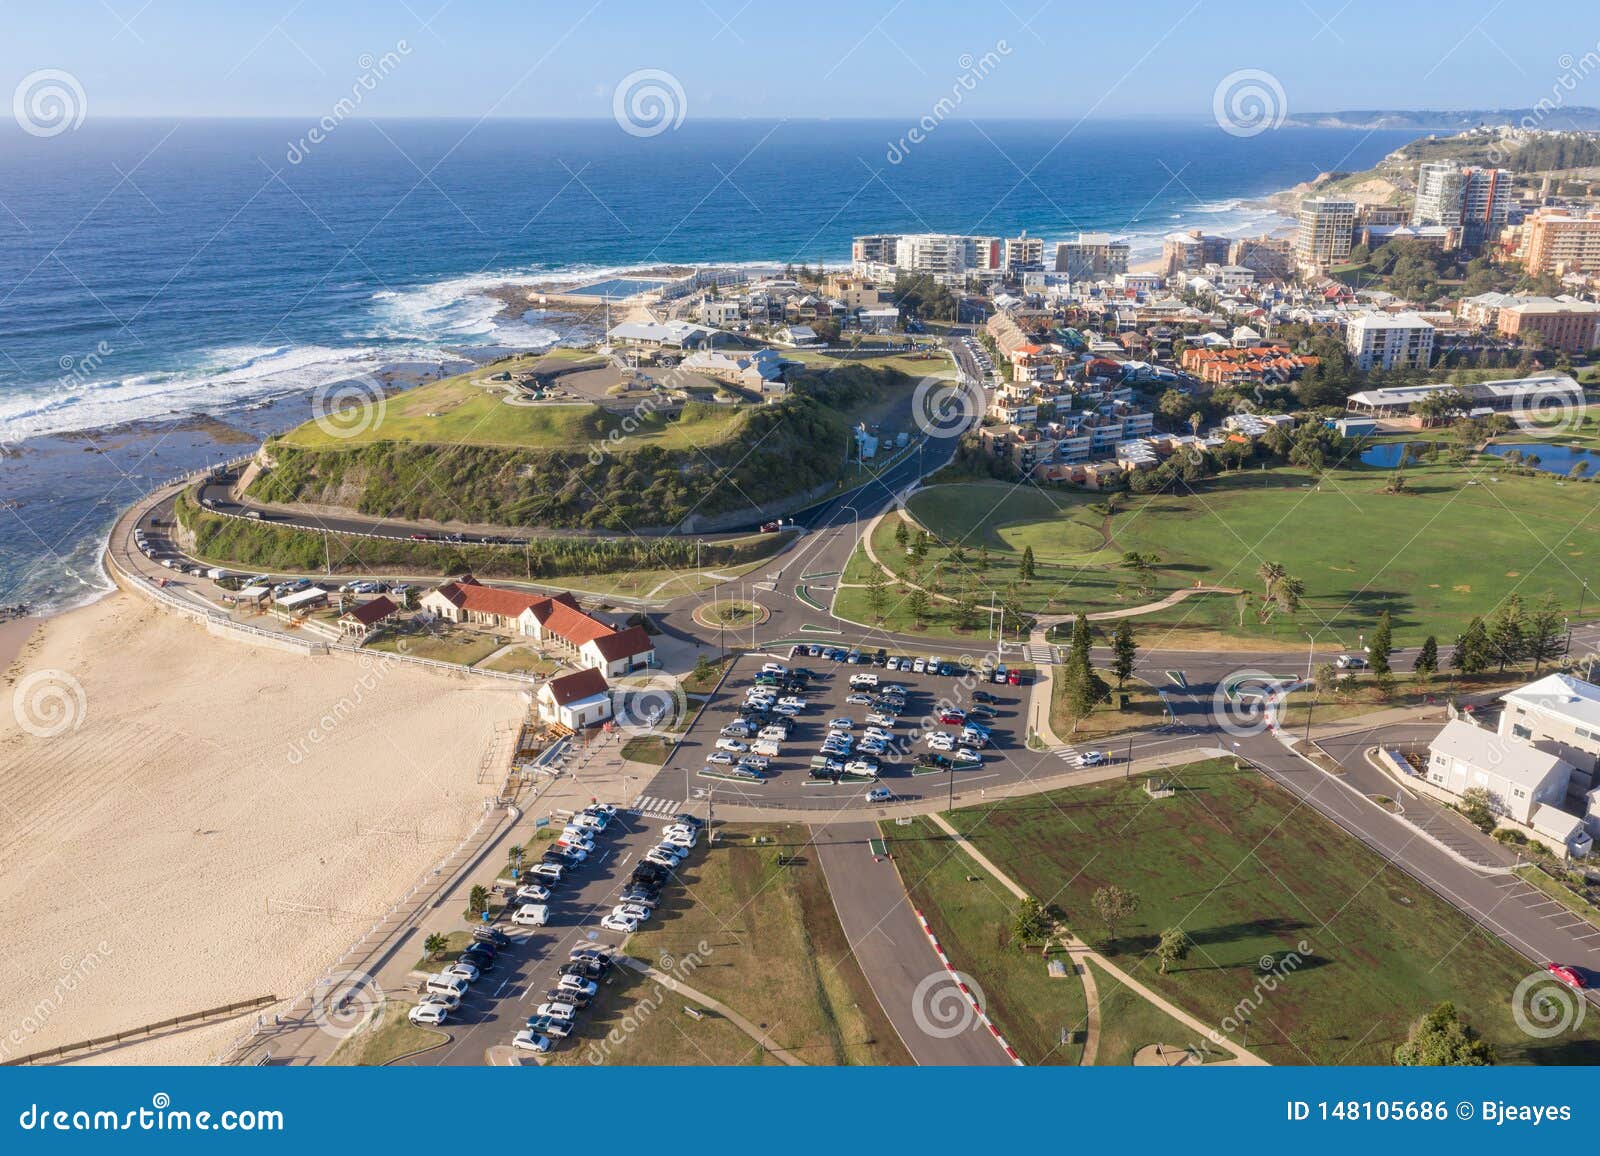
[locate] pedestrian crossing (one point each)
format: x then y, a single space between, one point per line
1040 653
1068 754
657 808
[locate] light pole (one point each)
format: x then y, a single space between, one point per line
1310 653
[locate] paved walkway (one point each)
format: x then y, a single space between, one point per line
767 1042
1083 953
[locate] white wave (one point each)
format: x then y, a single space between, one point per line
220 379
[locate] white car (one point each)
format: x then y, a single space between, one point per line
861 767
572 851
615 922
590 822
578 984
573 837
919 665
532 893
465 970
1091 759
786 711
527 1041
634 911
793 700
880 795
722 758
661 860
671 851
841 723
428 1013
878 733
941 741
774 668
858 700
681 834
448 1000
556 1010
733 745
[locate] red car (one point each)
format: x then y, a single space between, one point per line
1014 677
953 716
1566 975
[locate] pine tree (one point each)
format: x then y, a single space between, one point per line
967 607
1543 641
983 558
1122 651
917 603
901 534
1507 630
1382 643
1471 654
1025 568
1427 657
877 593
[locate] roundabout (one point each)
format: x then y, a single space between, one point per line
730 614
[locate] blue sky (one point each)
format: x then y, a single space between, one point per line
842 58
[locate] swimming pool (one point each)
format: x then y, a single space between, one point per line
616 288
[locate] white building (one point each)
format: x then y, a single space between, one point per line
1390 341
1560 715
1326 228
1517 776
576 700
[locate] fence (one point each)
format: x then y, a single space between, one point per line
227 1009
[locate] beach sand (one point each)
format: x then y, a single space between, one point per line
14 634
142 846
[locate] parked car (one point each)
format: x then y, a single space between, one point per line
622 923
556 1010
549 1026
532 915
549 872
579 984
636 911
466 971
880 795
428 1013
1567 975
733 745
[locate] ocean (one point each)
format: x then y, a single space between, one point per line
172 291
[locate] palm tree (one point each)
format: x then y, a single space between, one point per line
434 945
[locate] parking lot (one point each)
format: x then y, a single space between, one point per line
531 984
903 767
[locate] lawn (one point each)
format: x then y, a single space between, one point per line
651 749
972 914
769 945
1144 709
386 1037
524 660
458 411
1129 1022
462 647
637 1022
1251 875
456 941
1450 548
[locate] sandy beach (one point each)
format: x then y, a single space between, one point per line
173 838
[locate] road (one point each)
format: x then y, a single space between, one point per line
893 951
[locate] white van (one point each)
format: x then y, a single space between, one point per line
532 915
446 985
767 748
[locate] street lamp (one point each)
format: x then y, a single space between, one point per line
1310 653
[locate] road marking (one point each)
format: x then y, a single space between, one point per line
1177 677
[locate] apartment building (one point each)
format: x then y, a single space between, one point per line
1390 341
1326 226
877 249
1557 242
1475 200
1269 257
1023 253
1562 323
1187 252
1092 255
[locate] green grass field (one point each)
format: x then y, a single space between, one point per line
1452 547
1249 874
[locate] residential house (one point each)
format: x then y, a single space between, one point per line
1560 715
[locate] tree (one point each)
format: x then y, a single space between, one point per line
1471 653
1477 806
702 670
1327 677
477 901
1427 664
967 607
1543 640
1173 947
901 534
1029 924
877 593
1441 1039
1115 905
1122 652
515 852
917 603
983 558
1025 567
1507 632
1380 646
435 944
